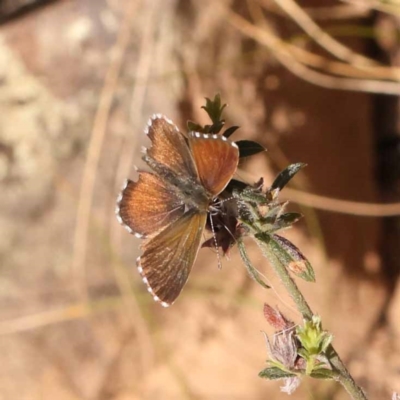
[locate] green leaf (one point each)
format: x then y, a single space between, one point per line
228 132
274 373
248 148
326 342
216 127
274 210
286 220
286 175
303 353
254 274
193 127
253 196
291 257
214 109
323 373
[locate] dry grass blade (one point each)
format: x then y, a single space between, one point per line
341 206
143 68
326 41
95 145
333 12
339 12
283 54
344 69
49 317
388 7
349 70
124 164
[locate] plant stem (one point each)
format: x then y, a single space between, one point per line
344 377
287 280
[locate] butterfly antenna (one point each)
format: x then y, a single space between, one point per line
219 202
215 242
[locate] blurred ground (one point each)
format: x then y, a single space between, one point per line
71 326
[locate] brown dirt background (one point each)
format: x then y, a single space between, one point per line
76 321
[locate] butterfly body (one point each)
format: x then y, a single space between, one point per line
168 206
189 190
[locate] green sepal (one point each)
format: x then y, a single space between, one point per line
253 196
323 373
313 339
272 223
327 340
274 373
275 209
286 220
303 353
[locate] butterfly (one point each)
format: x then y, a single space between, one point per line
167 207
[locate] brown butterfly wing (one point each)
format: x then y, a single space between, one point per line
148 205
216 159
169 146
168 257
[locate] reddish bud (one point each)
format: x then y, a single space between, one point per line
276 319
